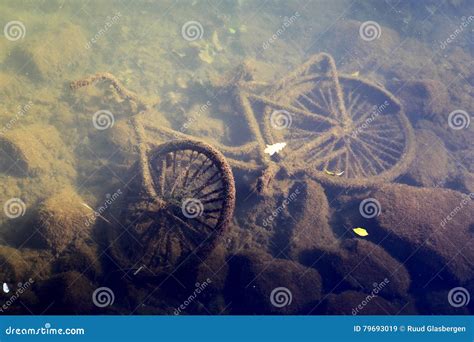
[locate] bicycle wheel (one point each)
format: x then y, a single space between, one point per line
339 129
197 193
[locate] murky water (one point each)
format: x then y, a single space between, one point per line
301 120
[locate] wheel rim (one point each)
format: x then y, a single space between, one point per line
372 143
197 188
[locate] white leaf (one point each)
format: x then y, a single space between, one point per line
275 148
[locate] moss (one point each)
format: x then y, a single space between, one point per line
66 293
36 150
63 218
430 167
312 230
433 238
253 275
19 265
364 264
50 56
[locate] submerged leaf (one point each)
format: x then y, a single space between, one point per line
360 231
326 171
275 148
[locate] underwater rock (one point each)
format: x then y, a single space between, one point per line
430 167
13 267
421 99
289 218
367 267
311 212
50 56
63 220
35 150
467 181
123 138
18 265
428 230
358 303
83 258
66 293
260 284
214 267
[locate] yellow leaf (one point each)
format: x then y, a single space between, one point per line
355 74
329 172
360 231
